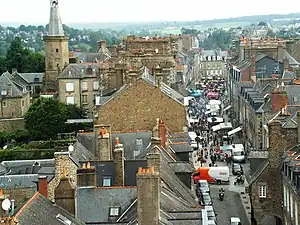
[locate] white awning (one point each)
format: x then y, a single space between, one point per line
228 107
222 126
234 131
215 120
214 102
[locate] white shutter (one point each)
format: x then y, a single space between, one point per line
95 85
84 86
69 87
97 100
70 100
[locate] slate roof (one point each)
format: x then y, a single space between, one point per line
91 57
39 210
93 204
288 75
181 147
258 172
31 78
55 23
82 153
182 167
24 181
27 166
78 70
6 79
107 169
293 92
292 60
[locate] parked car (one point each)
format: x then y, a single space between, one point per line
203 186
211 213
235 221
206 199
237 169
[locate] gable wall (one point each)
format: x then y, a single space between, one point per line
137 108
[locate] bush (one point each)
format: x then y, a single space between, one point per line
20 136
12 154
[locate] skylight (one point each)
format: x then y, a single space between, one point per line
63 219
114 211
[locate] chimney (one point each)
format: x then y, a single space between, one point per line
286 63
298 125
155 139
103 146
43 185
65 194
163 133
9 89
277 143
279 99
119 163
280 52
148 196
153 160
89 70
86 176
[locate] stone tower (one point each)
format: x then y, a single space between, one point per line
56 48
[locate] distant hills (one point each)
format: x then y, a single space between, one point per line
116 26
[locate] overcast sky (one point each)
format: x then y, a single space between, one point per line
86 11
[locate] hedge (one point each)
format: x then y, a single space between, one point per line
12 154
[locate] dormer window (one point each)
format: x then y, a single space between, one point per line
36 79
106 181
56 50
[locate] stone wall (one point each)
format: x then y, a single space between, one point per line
14 107
20 194
62 160
12 124
138 107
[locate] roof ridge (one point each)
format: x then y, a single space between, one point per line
36 194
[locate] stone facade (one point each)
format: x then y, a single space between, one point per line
62 160
15 107
56 59
268 209
119 164
138 106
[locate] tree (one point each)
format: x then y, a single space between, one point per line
2 65
46 118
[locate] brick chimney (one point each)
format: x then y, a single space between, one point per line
103 145
153 160
286 63
65 194
148 196
119 163
155 139
43 185
163 133
86 176
279 99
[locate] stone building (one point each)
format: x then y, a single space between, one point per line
15 99
266 180
137 105
213 64
56 48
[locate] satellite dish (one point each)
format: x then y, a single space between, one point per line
6 204
71 148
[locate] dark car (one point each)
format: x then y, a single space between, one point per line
237 169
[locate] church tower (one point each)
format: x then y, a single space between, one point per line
56 48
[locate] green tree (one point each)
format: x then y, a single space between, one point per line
45 118
2 65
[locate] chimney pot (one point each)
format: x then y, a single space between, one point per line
88 165
83 165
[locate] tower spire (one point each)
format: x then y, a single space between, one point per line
55 23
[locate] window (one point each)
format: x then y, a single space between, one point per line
284 195
84 98
95 85
4 104
288 200
262 191
23 103
292 205
139 147
56 50
69 87
84 86
70 100
106 182
114 211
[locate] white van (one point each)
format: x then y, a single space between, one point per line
235 221
238 153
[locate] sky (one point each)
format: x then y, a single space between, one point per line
105 11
